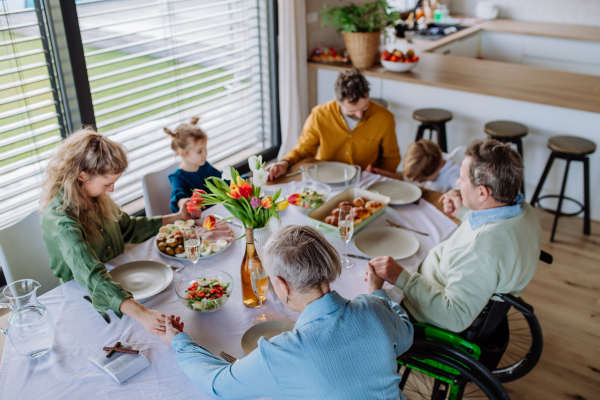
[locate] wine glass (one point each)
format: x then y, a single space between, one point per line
191 242
346 226
260 283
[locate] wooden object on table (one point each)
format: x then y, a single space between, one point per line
118 349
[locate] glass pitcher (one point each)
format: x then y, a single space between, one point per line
30 327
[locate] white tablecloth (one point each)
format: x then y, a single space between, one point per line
65 372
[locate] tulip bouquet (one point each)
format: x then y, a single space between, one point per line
240 197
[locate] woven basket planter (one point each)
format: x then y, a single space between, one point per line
362 47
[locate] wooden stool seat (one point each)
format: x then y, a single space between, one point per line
571 145
381 102
432 115
505 129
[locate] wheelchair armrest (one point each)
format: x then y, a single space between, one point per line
517 303
546 257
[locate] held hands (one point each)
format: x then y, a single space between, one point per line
385 268
374 282
277 169
452 202
170 330
185 213
383 172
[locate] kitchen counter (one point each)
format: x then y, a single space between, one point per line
497 78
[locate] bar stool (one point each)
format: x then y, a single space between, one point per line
379 101
508 132
569 148
433 119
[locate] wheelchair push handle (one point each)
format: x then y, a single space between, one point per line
517 303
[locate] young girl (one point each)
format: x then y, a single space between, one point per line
82 226
189 141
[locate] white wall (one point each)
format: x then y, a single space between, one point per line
576 12
471 112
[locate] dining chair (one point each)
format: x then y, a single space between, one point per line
23 253
157 191
458 155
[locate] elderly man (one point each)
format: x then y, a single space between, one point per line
350 129
495 250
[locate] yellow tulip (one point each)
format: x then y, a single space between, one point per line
282 205
239 180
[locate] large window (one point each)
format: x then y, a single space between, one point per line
150 64
31 120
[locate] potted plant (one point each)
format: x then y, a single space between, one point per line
361 27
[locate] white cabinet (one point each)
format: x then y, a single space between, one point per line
560 54
465 47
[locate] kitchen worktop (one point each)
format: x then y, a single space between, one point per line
497 78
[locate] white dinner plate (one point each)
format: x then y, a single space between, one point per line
332 172
267 329
399 191
386 241
143 278
185 258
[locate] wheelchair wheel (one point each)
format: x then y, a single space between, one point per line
524 347
436 371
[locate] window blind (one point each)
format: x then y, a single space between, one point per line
31 123
155 64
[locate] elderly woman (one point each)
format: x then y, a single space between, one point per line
339 348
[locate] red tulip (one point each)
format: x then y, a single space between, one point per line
197 195
209 222
266 202
295 199
192 206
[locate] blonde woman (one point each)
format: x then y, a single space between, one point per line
82 226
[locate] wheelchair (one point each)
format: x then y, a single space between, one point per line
503 344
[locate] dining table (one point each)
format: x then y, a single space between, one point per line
65 372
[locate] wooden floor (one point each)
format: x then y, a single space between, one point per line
566 298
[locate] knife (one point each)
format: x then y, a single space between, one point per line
228 221
293 174
359 257
395 225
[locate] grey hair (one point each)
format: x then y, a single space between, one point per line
302 256
497 167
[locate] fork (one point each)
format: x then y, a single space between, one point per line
228 357
395 225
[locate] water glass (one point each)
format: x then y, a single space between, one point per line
309 172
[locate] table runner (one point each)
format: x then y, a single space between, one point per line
66 373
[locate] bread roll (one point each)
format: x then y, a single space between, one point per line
344 203
373 206
336 212
362 212
331 220
357 219
359 202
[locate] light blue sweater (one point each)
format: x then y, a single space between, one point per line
339 349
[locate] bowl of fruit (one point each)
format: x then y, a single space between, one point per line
205 290
398 61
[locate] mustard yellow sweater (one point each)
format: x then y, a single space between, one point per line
326 136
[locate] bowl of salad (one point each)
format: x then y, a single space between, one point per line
205 291
306 196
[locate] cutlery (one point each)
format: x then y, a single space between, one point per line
176 269
228 358
359 257
228 221
293 174
395 225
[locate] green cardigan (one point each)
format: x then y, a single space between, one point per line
76 254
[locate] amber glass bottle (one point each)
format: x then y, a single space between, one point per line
248 296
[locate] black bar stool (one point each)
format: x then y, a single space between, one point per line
433 119
508 132
570 148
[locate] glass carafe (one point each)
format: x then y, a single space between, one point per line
30 327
